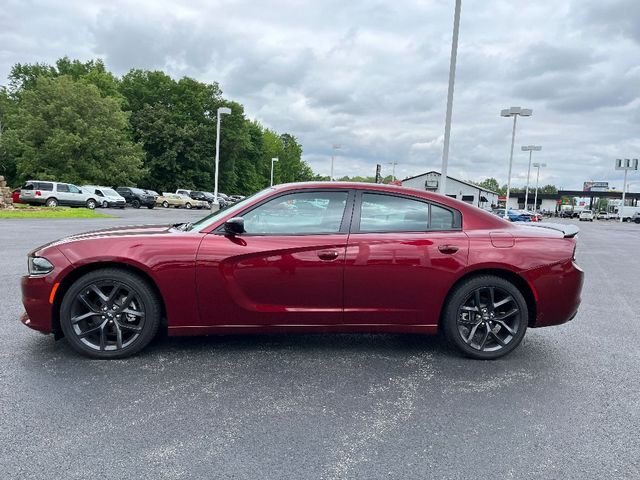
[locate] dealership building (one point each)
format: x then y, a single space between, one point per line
458 189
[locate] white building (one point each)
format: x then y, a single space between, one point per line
458 189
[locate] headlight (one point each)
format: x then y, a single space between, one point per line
39 266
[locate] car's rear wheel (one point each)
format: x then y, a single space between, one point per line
485 317
110 313
135 204
51 202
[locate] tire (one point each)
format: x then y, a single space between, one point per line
165 204
135 203
188 206
458 318
51 202
637 220
105 204
91 204
133 336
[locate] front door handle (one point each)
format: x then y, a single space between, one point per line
448 249
328 255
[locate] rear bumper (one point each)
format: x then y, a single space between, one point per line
557 290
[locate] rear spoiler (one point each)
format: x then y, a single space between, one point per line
568 230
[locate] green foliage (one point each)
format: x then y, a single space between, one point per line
548 189
65 130
77 122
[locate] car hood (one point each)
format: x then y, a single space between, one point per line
117 232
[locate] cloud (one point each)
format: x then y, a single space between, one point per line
372 75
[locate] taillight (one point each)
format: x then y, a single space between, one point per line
38 193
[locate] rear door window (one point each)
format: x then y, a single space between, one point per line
63 187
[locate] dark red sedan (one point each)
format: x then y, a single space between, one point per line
314 257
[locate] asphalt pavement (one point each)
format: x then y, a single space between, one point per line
564 405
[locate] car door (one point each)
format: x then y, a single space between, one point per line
402 256
126 193
287 269
62 194
76 196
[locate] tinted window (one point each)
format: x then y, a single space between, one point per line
28 186
48 187
386 213
122 190
298 213
441 218
63 187
99 193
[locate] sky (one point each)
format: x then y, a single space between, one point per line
372 75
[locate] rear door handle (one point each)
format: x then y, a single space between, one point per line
328 255
448 249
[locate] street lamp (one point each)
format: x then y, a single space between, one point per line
334 148
452 79
537 165
221 111
513 112
273 160
393 170
530 149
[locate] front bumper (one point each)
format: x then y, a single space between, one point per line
40 294
557 289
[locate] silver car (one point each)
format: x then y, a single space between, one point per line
106 196
52 194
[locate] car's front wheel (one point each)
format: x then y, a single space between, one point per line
485 317
165 204
105 204
91 204
110 313
135 204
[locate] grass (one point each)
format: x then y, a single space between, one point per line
23 211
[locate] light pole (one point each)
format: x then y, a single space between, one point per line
221 111
334 148
537 165
273 160
625 164
452 79
512 112
530 149
393 170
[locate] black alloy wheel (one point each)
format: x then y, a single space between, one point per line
109 313
486 317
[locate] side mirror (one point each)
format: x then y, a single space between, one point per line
234 226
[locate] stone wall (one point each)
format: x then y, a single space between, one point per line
5 193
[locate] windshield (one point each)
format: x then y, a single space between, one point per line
209 219
138 191
110 192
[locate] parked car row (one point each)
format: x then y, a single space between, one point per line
53 194
518 215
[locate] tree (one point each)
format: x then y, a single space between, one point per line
552 189
65 130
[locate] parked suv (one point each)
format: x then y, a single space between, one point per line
106 196
52 194
137 197
636 217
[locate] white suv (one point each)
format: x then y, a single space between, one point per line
52 194
107 197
